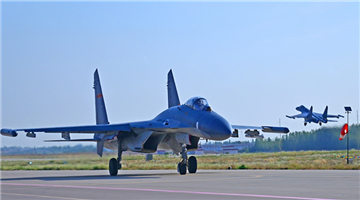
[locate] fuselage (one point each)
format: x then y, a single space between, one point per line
174 127
205 124
316 118
212 124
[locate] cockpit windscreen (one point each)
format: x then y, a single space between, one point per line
198 103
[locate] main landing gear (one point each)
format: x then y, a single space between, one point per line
115 164
190 163
305 123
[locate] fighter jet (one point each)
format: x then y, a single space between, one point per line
178 128
310 116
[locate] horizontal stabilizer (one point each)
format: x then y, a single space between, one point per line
332 120
75 140
292 117
335 116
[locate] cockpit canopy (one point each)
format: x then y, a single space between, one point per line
198 103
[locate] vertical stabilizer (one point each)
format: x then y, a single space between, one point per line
310 113
173 98
325 112
101 115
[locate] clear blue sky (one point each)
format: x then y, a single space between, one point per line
254 62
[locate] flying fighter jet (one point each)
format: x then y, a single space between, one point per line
310 116
178 128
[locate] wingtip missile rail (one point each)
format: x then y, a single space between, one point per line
271 129
8 132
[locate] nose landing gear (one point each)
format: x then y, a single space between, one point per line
185 163
192 164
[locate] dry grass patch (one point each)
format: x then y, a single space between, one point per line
277 160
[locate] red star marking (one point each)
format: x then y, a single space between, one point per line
99 95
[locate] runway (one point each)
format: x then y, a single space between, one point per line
168 184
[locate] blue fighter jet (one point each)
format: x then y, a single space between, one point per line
310 116
178 128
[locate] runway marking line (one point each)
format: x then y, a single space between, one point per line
41 196
178 181
167 191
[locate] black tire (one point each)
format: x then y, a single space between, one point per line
192 163
113 167
182 169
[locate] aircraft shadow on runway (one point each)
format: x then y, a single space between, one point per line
93 177
85 177
96 177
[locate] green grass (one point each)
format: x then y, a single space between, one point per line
277 160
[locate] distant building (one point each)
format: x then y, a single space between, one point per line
229 148
214 148
199 151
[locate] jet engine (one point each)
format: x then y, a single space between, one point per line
9 132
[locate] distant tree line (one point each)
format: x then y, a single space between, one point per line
47 150
325 138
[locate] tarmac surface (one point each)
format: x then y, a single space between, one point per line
168 184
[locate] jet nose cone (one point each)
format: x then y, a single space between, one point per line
215 126
222 131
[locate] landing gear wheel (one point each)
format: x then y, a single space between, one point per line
182 169
192 163
305 124
320 123
113 167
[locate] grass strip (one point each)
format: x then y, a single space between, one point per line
278 160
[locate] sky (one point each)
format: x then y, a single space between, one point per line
253 61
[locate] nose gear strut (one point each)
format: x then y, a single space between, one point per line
182 166
185 163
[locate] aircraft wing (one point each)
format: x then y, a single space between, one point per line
302 115
332 120
168 126
101 128
104 128
268 129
